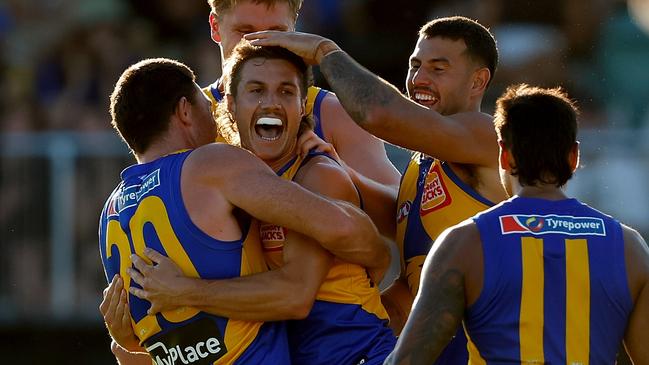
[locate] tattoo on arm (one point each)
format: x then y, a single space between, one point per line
434 319
358 90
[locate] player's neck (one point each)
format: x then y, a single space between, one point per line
160 149
475 105
281 161
541 191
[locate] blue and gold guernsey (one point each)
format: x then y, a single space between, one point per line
432 198
315 95
348 323
147 210
555 287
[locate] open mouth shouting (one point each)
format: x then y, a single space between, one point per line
269 128
425 98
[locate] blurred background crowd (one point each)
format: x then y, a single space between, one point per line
59 159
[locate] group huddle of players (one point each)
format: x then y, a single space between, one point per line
268 248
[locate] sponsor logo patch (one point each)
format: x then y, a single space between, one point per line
272 237
112 207
435 195
131 195
544 224
198 343
403 211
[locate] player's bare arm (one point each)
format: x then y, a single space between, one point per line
448 284
637 259
381 109
397 301
323 176
252 186
359 149
379 201
284 293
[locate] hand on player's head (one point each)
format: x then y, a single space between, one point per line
312 48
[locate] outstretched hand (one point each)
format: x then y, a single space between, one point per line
114 308
163 284
312 48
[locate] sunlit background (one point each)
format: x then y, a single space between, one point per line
59 159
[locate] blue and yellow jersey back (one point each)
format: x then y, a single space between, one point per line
147 210
555 287
348 323
432 198
315 95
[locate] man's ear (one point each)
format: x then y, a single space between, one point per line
504 157
214 28
183 111
573 157
481 79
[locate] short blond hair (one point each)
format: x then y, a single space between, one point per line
220 7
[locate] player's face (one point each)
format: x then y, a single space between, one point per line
268 108
440 75
204 124
249 17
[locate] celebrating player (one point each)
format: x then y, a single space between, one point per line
455 175
231 19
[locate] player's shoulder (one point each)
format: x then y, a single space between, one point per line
475 118
456 241
462 232
635 244
324 167
323 175
217 160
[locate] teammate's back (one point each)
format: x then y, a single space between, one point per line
147 210
565 261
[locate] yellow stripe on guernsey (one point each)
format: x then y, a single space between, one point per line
310 98
474 355
577 302
531 315
345 283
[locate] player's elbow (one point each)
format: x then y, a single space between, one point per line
373 118
300 304
342 231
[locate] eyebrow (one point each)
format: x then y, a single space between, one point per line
430 61
247 27
438 60
262 83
